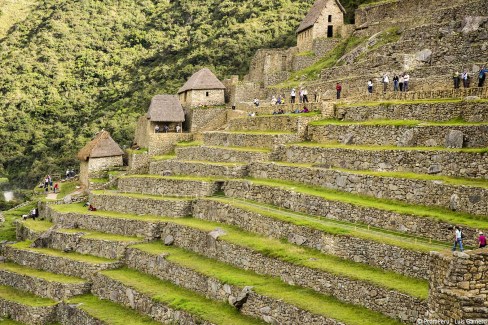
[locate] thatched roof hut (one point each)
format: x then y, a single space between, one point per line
314 14
202 80
101 146
165 108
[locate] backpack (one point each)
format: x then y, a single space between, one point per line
482 74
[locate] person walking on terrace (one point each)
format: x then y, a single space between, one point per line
338 89
293 94
406 80
401 80
370 86
458 239
482 76
386 82
482 240
305 95
395 83
455 79
465 78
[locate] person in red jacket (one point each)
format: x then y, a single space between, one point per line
339 89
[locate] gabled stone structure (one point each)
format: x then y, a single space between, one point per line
99 155
202 89
324 20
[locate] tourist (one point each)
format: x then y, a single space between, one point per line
300 95
465 78
406 79
455 79
56 188
165 128
279 101
370 86
50 182
46 183
401 80
178 129
482 76
67 174
386 82
156 129
281 111
338 89
91 208
458 239
292 96
305 110
482 240
256 102
305 95
395 83
273 100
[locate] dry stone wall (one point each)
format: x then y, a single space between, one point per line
389 302
408 262
164 143
136 205
176 167
203 153
166 186
69 314
248 139
270 310
284 123
202 119
464 198
402 136
27 314
443 162
313 205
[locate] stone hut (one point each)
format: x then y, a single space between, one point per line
202 89
324 20
165 110
98 156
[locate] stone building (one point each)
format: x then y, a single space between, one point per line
324 20
99 155
202 89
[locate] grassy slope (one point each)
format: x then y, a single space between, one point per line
48 276
7 229
24 298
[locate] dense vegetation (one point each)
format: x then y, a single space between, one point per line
70 68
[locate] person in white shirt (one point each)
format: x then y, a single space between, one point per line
273 100
305 95
465 77
458 239
386 82
406 78
178 129
293 94
370 86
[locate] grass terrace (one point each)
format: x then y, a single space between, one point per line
411 123
88 234
383 148
142 196
48 276
7 229
163 157
24 298
109 312
303 298
402 102
189 143
179 298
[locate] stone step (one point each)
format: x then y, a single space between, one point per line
401 134
167 186
198 168
294 123
295 264
468 163
55 261
41 283
257 139
386 250
88 309
261 296
164 301
459 194
141 203
25 307
415 220
222 154
421 110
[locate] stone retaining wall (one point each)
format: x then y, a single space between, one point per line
271 310
402 136
69 314
164 143
41 287
387 301
202 119
139 162
228 139
393 258
176 167
115 291
469 111
202 153
167 186
27 314
464 198
313 205
283 123
134 205
56 264
443 162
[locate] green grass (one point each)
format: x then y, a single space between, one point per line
375 3
189 143
163 157
89 234
412 123
273 248
401 102
37 226
290 115
334 227
260 132
25 245
179 298
99 180
177 178
66 188
273 287
390 35
137 152
212 163
141 196
3 180
24 298
306 53
7 229
250 149
381 204
4 321
381 148
109 312
48 276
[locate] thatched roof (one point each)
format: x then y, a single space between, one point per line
314 14
202 80
165 108
101 146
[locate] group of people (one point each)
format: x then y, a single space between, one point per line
400 83
165 129
457 77
458 239
302 95
296 111
49 184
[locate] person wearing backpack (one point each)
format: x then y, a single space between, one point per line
482 76
458 239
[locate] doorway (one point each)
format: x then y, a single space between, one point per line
330 31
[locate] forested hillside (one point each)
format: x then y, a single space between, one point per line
70 68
